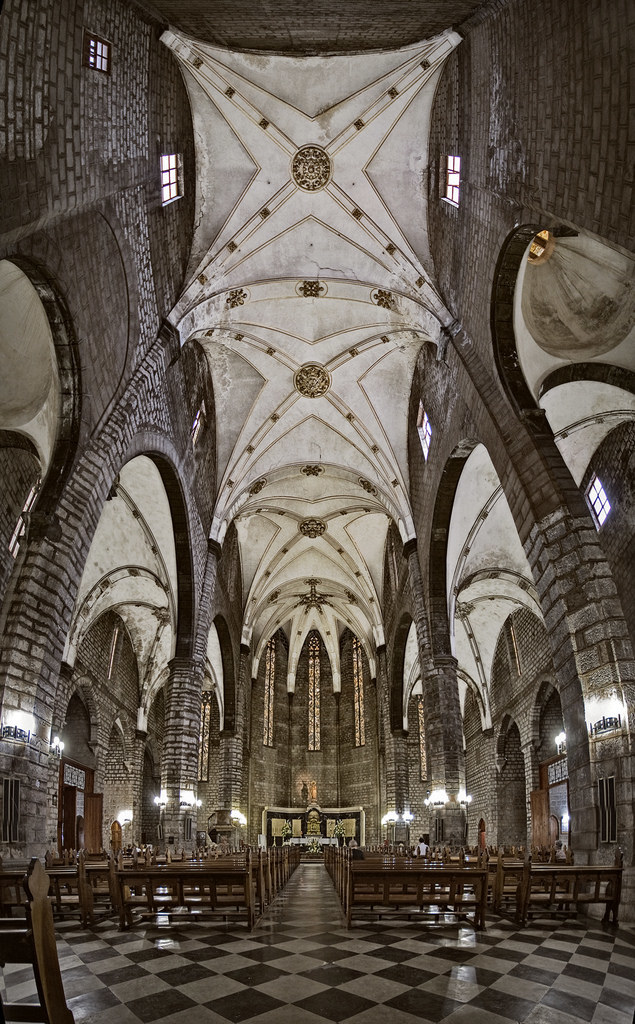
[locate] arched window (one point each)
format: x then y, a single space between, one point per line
314 692
203 736
270 678
358 693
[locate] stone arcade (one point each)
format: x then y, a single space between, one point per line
317 420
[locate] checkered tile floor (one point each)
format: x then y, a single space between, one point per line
301 966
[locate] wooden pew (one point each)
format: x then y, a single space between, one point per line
414 888
32 941
564 889
225 887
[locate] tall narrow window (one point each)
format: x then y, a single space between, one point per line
452 179
113 651
169 178
422 742
199 421
10 810
608 814
314 692
425 430
20 526
597 499
358 694
203 736
96 53
270 679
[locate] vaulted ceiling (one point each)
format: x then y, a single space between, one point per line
311 292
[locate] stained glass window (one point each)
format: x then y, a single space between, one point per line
422 742
270 675
314 692
203 736
358 693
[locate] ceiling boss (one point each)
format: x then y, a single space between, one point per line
311 168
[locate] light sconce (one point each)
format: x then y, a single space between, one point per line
561 743
606 724
463 798
161 801
238 818
407 816
125 817
57 746
391 818
436 798
19 727
189 800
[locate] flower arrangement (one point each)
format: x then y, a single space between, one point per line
286 831
339 832
314 847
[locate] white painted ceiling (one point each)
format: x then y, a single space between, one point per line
282 276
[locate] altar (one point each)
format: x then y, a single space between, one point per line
312 824
306 840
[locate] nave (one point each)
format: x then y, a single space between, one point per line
300 966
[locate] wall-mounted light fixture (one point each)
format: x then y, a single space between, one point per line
561 743
463 798
124 817
391 818
188 799
238 818
605 725
17 726
407 817
436 798
57 747
162 800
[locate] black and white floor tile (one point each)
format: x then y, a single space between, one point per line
301 966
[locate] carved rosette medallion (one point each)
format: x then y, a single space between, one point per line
312 380
312 528
311 168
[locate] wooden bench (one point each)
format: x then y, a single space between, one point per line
565 889
212 888
414 889
32 941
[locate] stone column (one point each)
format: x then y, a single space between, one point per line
179 765
232 742
442 707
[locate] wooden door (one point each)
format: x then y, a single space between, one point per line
539 817
69 815
93 813
115 837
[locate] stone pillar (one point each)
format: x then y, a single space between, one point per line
179 765
232 743
395 752
442 707
338 800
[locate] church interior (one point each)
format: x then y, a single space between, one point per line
317 430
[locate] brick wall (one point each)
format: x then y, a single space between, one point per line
614 464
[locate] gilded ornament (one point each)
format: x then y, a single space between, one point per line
368 487
311 168
311 289
312 380
312 528
382 298
258 486
236 297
